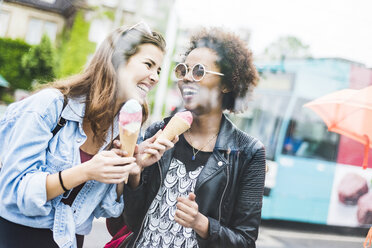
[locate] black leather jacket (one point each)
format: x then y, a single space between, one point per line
228 191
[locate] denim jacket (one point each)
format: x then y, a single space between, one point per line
29 152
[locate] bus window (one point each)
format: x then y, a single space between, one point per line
307 135
263 119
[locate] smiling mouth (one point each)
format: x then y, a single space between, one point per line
144 88
189 92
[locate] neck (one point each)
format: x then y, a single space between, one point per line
203 132
90 146
206 124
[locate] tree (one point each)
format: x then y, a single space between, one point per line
287 47
74 52
39 62
11 53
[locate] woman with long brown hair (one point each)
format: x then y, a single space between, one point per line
57 170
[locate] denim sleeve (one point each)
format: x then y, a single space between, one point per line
110 206
24 169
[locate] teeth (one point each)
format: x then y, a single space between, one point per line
188 91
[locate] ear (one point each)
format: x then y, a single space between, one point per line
225 90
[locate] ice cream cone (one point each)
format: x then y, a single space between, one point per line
129 127
176 126
128 140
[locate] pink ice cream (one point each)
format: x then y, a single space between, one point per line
131 115
130 119
186 115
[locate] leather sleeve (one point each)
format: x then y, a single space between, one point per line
243 230
134 206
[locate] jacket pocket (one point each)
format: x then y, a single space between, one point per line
56 163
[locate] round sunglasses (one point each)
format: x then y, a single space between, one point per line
198 71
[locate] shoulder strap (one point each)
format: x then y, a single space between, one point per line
61 121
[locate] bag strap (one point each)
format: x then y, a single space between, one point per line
61 121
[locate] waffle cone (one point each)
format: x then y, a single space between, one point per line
175 126
128 142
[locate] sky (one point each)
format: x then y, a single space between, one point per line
331 28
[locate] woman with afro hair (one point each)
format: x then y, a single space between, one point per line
207 190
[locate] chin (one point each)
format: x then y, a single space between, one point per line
140 100
190 106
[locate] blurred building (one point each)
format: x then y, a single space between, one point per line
154 12
30 19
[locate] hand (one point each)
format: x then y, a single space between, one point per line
154 147
187 211
122 153
109 167
188 215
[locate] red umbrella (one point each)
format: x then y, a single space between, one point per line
348 112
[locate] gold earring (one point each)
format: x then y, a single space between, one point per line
225 90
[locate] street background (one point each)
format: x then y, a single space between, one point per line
272 235
302 50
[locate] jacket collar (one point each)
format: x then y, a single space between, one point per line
75 109
225 144
225 141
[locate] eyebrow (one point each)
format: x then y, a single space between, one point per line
153 63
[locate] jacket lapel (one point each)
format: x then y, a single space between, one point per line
215 164
217 161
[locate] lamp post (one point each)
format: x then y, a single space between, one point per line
170 36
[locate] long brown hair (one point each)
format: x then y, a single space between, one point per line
98 82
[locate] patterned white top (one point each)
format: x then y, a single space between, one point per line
160 229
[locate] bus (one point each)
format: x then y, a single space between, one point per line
314 176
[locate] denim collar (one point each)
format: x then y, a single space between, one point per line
75 110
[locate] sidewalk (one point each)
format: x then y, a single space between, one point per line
99 235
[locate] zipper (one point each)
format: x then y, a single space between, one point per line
223 194
126 239
143 221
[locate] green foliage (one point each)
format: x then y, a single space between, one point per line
39 62
109 14
7 98
11 53
75 50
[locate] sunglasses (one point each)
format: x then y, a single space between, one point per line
142 27
198 71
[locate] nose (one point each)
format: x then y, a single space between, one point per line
188 76
154 77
